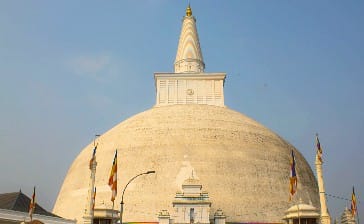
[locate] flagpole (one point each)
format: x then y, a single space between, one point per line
357 213
32 205
113 178
33 208
112 213
358 216
299 218
89 211
96 136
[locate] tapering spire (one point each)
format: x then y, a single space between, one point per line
189 56
189 84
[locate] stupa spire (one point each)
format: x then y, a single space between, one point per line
189 84
189 56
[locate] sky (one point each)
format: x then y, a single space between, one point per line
73 69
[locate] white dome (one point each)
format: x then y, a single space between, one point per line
241 164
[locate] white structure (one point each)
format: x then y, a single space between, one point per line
189 84
347 217
89 211
164 217
302 214
104 214
188 88
219 217
325 216
192 205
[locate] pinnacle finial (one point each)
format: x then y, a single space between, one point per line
300 201
189 10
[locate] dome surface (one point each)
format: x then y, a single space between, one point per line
241 164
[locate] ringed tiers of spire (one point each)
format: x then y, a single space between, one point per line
189 56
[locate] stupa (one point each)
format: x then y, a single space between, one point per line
244 165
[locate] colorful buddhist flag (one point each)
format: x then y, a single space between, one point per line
293 177
93 158
319 149
93 199
353 203
32 205
113 177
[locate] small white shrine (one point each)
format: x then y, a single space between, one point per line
347 217
192 205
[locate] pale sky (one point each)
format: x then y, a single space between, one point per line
73 69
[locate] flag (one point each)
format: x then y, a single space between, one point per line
94 199
113 177
32 205
353 203
293 177
319 149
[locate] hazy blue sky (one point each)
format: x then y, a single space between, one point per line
72 69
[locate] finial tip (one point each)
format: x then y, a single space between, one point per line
188 10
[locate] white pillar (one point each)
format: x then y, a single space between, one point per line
325 216
89 212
